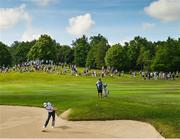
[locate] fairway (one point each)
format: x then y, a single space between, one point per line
154 101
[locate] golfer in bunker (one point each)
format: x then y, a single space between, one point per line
51 113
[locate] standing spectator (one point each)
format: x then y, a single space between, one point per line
99 86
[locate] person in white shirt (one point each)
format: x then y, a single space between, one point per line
51 113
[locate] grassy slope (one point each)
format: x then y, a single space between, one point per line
156 102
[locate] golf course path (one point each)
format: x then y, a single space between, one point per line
22 122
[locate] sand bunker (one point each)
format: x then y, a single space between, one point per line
18 122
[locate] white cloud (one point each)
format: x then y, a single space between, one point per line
147 26
165 10
80 25
9 17
30 34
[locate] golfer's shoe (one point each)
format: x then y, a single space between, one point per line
52 127
44 129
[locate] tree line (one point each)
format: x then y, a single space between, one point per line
95 52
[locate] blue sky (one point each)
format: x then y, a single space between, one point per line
117 20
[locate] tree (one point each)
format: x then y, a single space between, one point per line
167 57
65 54
161 61
22 51
5 56
99 46
135 48
90 61
117 57
102 48
81 49
13 50
144 59
138 54
147 52
43 49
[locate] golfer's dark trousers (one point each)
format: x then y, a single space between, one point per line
49 116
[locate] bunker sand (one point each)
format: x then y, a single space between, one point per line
23 122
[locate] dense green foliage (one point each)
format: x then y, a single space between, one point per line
167 56
153 101
19 51
65 54
117 57
141 53
81 48
5 56
43 49
99 46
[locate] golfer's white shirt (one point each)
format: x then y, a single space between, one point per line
49 108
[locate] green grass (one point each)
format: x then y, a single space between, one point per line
156 102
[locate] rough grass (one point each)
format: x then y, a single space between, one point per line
154 101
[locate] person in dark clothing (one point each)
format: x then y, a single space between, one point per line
99 86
